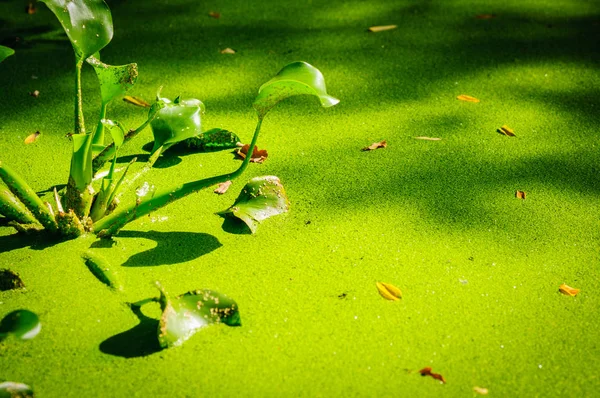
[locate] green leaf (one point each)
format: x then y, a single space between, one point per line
10 389
176 121
185 315
22 324
114 80
212 140
5 52
297 78
102 270
261 198
88 23
116 129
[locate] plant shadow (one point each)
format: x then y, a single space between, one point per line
35 240
171 248
139 341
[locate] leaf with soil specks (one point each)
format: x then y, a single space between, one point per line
10 280
568 290
10 389
375 145
467 98
520 195
505 130
186 314
31 138
115 80
427 372
261 198
212 140
480 390
22 324
223 187
427 138
136 101
381 28
389 291
258 155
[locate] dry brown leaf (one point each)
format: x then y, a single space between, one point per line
568 290
375 145
31 8
32 137
506 131
35 93
427 372
214 14
258 155
480 390
136 101
381 28
228 51
223 187
521 195
467 98
389 291
485 16
427 138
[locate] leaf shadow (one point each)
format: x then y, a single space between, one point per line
139 341
171 248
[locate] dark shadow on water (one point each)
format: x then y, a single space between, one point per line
36 241
139 341
171 248
235 226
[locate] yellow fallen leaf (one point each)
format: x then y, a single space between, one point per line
468 98
381 28
481 390
428 138
568 290
228 51
506 131
136 101
375 145
223 187
388 291
521 195
32 137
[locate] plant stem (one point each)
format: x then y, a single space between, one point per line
99 133
113 223
79 120
19 187
13 209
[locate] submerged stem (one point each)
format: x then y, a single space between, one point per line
113 223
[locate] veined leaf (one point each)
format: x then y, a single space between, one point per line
261 198
88 23
22 324
297 78
114 80
184 315
177 121
5 52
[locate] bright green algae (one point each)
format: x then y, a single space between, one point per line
421 215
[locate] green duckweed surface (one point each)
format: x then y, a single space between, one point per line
478 268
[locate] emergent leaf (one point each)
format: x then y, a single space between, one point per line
184 315
177 121
297 78
5 52
88 23
114 80
22 324
10 389
116 129
261 198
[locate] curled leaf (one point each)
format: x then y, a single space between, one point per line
467 98
176 121
375 145
10 389
427 372
297 78
136 101
186 314
520 195
5 52
427 138
568 290
261 198
31 138
258 155
102 270
389 291
382 28
223 187
22 324
505 130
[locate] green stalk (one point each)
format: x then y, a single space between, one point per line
113 223
19 187
13 209
99 133
79 121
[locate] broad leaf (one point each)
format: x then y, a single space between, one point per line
88 23
297 78
176 121
261 198
5 52
22 324
10 389
114 80
184 315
